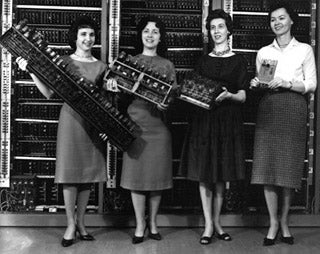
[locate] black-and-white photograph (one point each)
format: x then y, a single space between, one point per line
159 126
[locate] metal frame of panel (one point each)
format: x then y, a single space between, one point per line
5 107
316 38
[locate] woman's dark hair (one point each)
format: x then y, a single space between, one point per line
81 22
162 47
218 14
284 4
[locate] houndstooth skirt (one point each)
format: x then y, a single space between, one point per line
280 140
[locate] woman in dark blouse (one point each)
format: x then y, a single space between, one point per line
213 151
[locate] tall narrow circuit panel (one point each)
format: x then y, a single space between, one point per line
114 37
5 106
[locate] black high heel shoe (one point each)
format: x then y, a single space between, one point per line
67 242
86 237
139 239
270 241
155 236
287 239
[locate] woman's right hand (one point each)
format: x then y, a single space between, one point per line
111 85
254 83
22 63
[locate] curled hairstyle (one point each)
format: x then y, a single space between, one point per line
219 14
162 46
81 22
285 5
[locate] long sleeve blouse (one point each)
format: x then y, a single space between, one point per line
296 62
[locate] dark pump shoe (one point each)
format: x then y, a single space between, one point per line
137 239
86 237
155 236
287 239
268 241
67 243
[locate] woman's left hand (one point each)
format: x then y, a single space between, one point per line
223 96
277 82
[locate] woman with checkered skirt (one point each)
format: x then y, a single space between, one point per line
281 133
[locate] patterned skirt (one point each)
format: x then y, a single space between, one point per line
280 140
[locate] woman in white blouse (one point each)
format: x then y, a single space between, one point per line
281 131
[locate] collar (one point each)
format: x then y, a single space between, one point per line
292 43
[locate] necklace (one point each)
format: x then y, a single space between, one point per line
87 57
221 53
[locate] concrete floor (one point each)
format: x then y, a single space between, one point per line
31 240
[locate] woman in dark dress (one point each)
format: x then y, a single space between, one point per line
147 165
281 130
213 151
80 153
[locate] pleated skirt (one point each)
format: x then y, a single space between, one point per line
213 149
